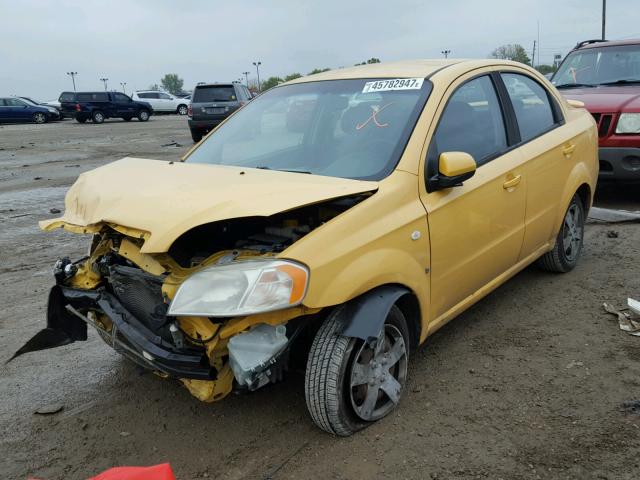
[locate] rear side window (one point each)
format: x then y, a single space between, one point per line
214 93
92 97
67 97
531 104
471 122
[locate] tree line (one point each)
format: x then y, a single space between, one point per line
173 84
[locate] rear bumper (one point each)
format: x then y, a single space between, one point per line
67 320
619 163
207 124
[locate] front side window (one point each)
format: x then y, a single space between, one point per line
14 102
335 128
120 98
93 97
164 96
598 66
471 122
531 104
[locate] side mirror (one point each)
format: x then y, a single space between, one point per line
453 169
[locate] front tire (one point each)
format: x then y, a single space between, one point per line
143 115
39 118
566 252
349 384
182 110
97 117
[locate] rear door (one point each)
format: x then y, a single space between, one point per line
475 229
548 143
214 102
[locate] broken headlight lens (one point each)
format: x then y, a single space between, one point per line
241 288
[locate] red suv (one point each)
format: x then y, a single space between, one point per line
605 75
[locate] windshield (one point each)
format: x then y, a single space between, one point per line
330 128
597 66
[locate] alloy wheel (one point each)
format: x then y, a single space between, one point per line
378 375
572 232
39 118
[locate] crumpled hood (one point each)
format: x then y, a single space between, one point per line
606 99
166 199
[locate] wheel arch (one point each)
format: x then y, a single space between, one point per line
363 316
579 182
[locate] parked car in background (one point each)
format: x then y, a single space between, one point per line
162 101
98 106
605 76
406 192
15 109
211 103
54 112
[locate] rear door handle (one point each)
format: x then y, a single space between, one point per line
568 150
512 182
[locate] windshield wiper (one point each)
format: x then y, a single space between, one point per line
575 85
623 81
264 167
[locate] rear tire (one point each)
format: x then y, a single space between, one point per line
343 373
196 135
182 110
143 115
39 118
566 252
97 117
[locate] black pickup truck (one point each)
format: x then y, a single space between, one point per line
98 106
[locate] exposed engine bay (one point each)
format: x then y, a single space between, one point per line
126 296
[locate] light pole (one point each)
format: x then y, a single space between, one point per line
124 84
257 65
73 79
105 80
246 77
445 53
604 16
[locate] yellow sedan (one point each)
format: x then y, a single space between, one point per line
331 224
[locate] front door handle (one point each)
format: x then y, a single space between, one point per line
512 182
568 150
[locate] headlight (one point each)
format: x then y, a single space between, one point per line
628 123
241 288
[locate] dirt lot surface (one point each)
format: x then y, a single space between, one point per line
527 384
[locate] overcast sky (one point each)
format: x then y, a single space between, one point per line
138 41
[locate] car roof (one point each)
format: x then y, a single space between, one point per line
406 69
216 84
607 43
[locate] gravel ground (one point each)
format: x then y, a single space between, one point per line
527 384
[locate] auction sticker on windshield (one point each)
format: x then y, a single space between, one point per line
393 84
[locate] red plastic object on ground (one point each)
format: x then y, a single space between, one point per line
156 472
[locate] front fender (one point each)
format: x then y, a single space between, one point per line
364 316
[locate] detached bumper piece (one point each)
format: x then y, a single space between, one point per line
66 324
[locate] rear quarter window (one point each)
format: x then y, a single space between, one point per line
214 93
92 97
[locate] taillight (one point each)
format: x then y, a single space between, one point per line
78 108
190 111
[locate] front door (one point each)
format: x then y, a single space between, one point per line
123 105
476 229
